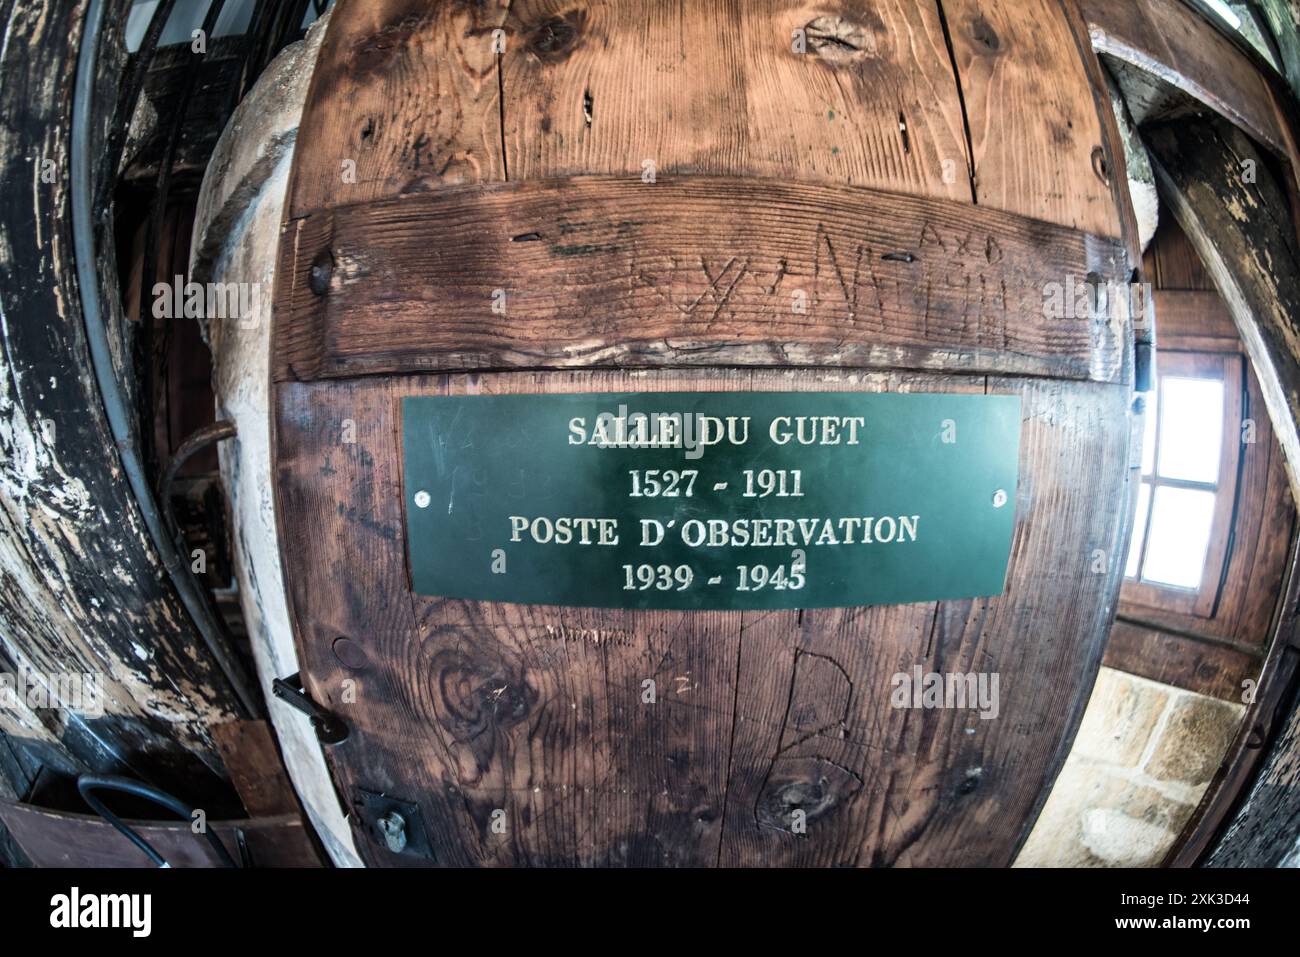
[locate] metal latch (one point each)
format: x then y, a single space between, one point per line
330 728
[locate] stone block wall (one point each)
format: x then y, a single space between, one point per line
1144 755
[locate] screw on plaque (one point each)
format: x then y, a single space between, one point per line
394 824
330 728
393 827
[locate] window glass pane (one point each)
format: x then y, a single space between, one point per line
1139 531
1149 431
1191 428
1180 534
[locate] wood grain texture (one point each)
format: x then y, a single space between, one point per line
1119 145
1207 668
1263 831
1172 263
249 751
60 839
842 172
724 88
1036 133
1281 20
1172 42
468 708
404 98
419 96
1189 316
695 271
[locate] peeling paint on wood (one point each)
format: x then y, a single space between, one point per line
81 589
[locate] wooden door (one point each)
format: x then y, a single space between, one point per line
650 184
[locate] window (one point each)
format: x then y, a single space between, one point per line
1185 497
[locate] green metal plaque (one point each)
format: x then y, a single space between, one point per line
710 500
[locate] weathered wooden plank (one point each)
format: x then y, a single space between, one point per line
351 606
1039 147
1282 19
1170 41
1124 166
935 787
1123 161
1191 314
837 93
84 591
692 271
432 97
470 708
404 98
60 839
1270 542
1172 263
1215 669
256 770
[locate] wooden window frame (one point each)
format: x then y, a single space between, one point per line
1201 601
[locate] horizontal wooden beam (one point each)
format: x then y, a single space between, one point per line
1206 666
54 838
615 272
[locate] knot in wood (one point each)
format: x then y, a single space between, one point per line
814 786
985 35
554 38
838 40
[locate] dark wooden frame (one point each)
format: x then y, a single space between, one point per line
105 561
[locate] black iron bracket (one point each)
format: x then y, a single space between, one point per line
330 728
